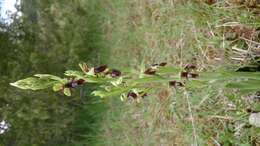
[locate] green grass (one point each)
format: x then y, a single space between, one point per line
146 32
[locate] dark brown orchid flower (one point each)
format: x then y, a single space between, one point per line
193 75
80 81
150 71
155 64
188 75
153 68
176 83
74 83
159 64
184 74
100 69
249 110
134 95
115 73
131 95
163 64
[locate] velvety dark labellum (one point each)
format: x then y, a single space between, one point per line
156 64
247 126
172 83
192 75
189 75
74 83
251 111
184 74
80 81
115 73
180 84
163 64
132 95
100 69
150 71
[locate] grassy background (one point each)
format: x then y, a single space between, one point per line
180 32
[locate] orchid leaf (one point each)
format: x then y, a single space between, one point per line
33 83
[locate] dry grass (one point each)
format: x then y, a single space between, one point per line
211 36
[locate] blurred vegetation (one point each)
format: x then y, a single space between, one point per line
50 37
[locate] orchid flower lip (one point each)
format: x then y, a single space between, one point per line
150 71
193 75
80 81
184 74
189 75
74 83
163 64
115 73
100 69
132 95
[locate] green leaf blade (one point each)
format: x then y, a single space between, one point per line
33 83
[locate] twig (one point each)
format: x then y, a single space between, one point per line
202 101
254 42
215 141
228 24
192 120
221 117
241 51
